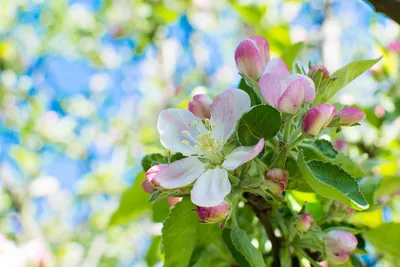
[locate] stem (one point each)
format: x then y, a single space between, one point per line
297 141
263 211
302 253
286 131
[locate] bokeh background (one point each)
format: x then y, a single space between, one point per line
82 83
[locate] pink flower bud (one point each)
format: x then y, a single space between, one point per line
148 187
315 68
318 118
251 56
349 116
303 222
340 145
150 178
380 111
277 180
200 106
339 245
213 214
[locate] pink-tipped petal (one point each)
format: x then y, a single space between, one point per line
249 60
172 123
349 116
292 99
211 188
242 155
213 214
226 110
305 82
272 87
278 67
318 118
177 174
262 46
200 106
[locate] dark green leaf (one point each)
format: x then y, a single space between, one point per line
235 253
134 202
253 97
318 150
179 234
385 238
149 160
291 54
343 77
347 164
242 243
261 121
332 182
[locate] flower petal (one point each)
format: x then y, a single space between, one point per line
293 97
226 110
211 188
272 87
171 123
278 67
179 173
242 155
306 82
249 60
262 46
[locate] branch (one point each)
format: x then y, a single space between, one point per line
263 211
390 8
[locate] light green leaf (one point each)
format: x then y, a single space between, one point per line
242 243
261 121
319 150
385 238
240 259
291 54
134 203
153 254
343 77
28 161
179 234
332 182
368 187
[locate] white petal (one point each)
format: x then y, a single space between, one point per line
179 173
226 110
211 188
172 122
242 155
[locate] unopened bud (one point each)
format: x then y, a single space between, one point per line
200 106
349 116
303 222
339 245
318 118
213 214
276 180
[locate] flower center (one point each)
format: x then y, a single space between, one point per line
205 143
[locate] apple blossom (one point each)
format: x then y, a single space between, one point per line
349 116
339 245
200 106
303 222
213 214
251 56
318 118
276 180
207 165
284 91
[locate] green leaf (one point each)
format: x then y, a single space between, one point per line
332 182
291 53
343 77
319 150
153 254
242 243
347 164
388 186
179 234
160 210
261 121
385 238
149 160
134 203
255 100
368 187
240 259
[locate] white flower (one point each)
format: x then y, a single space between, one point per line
181 131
